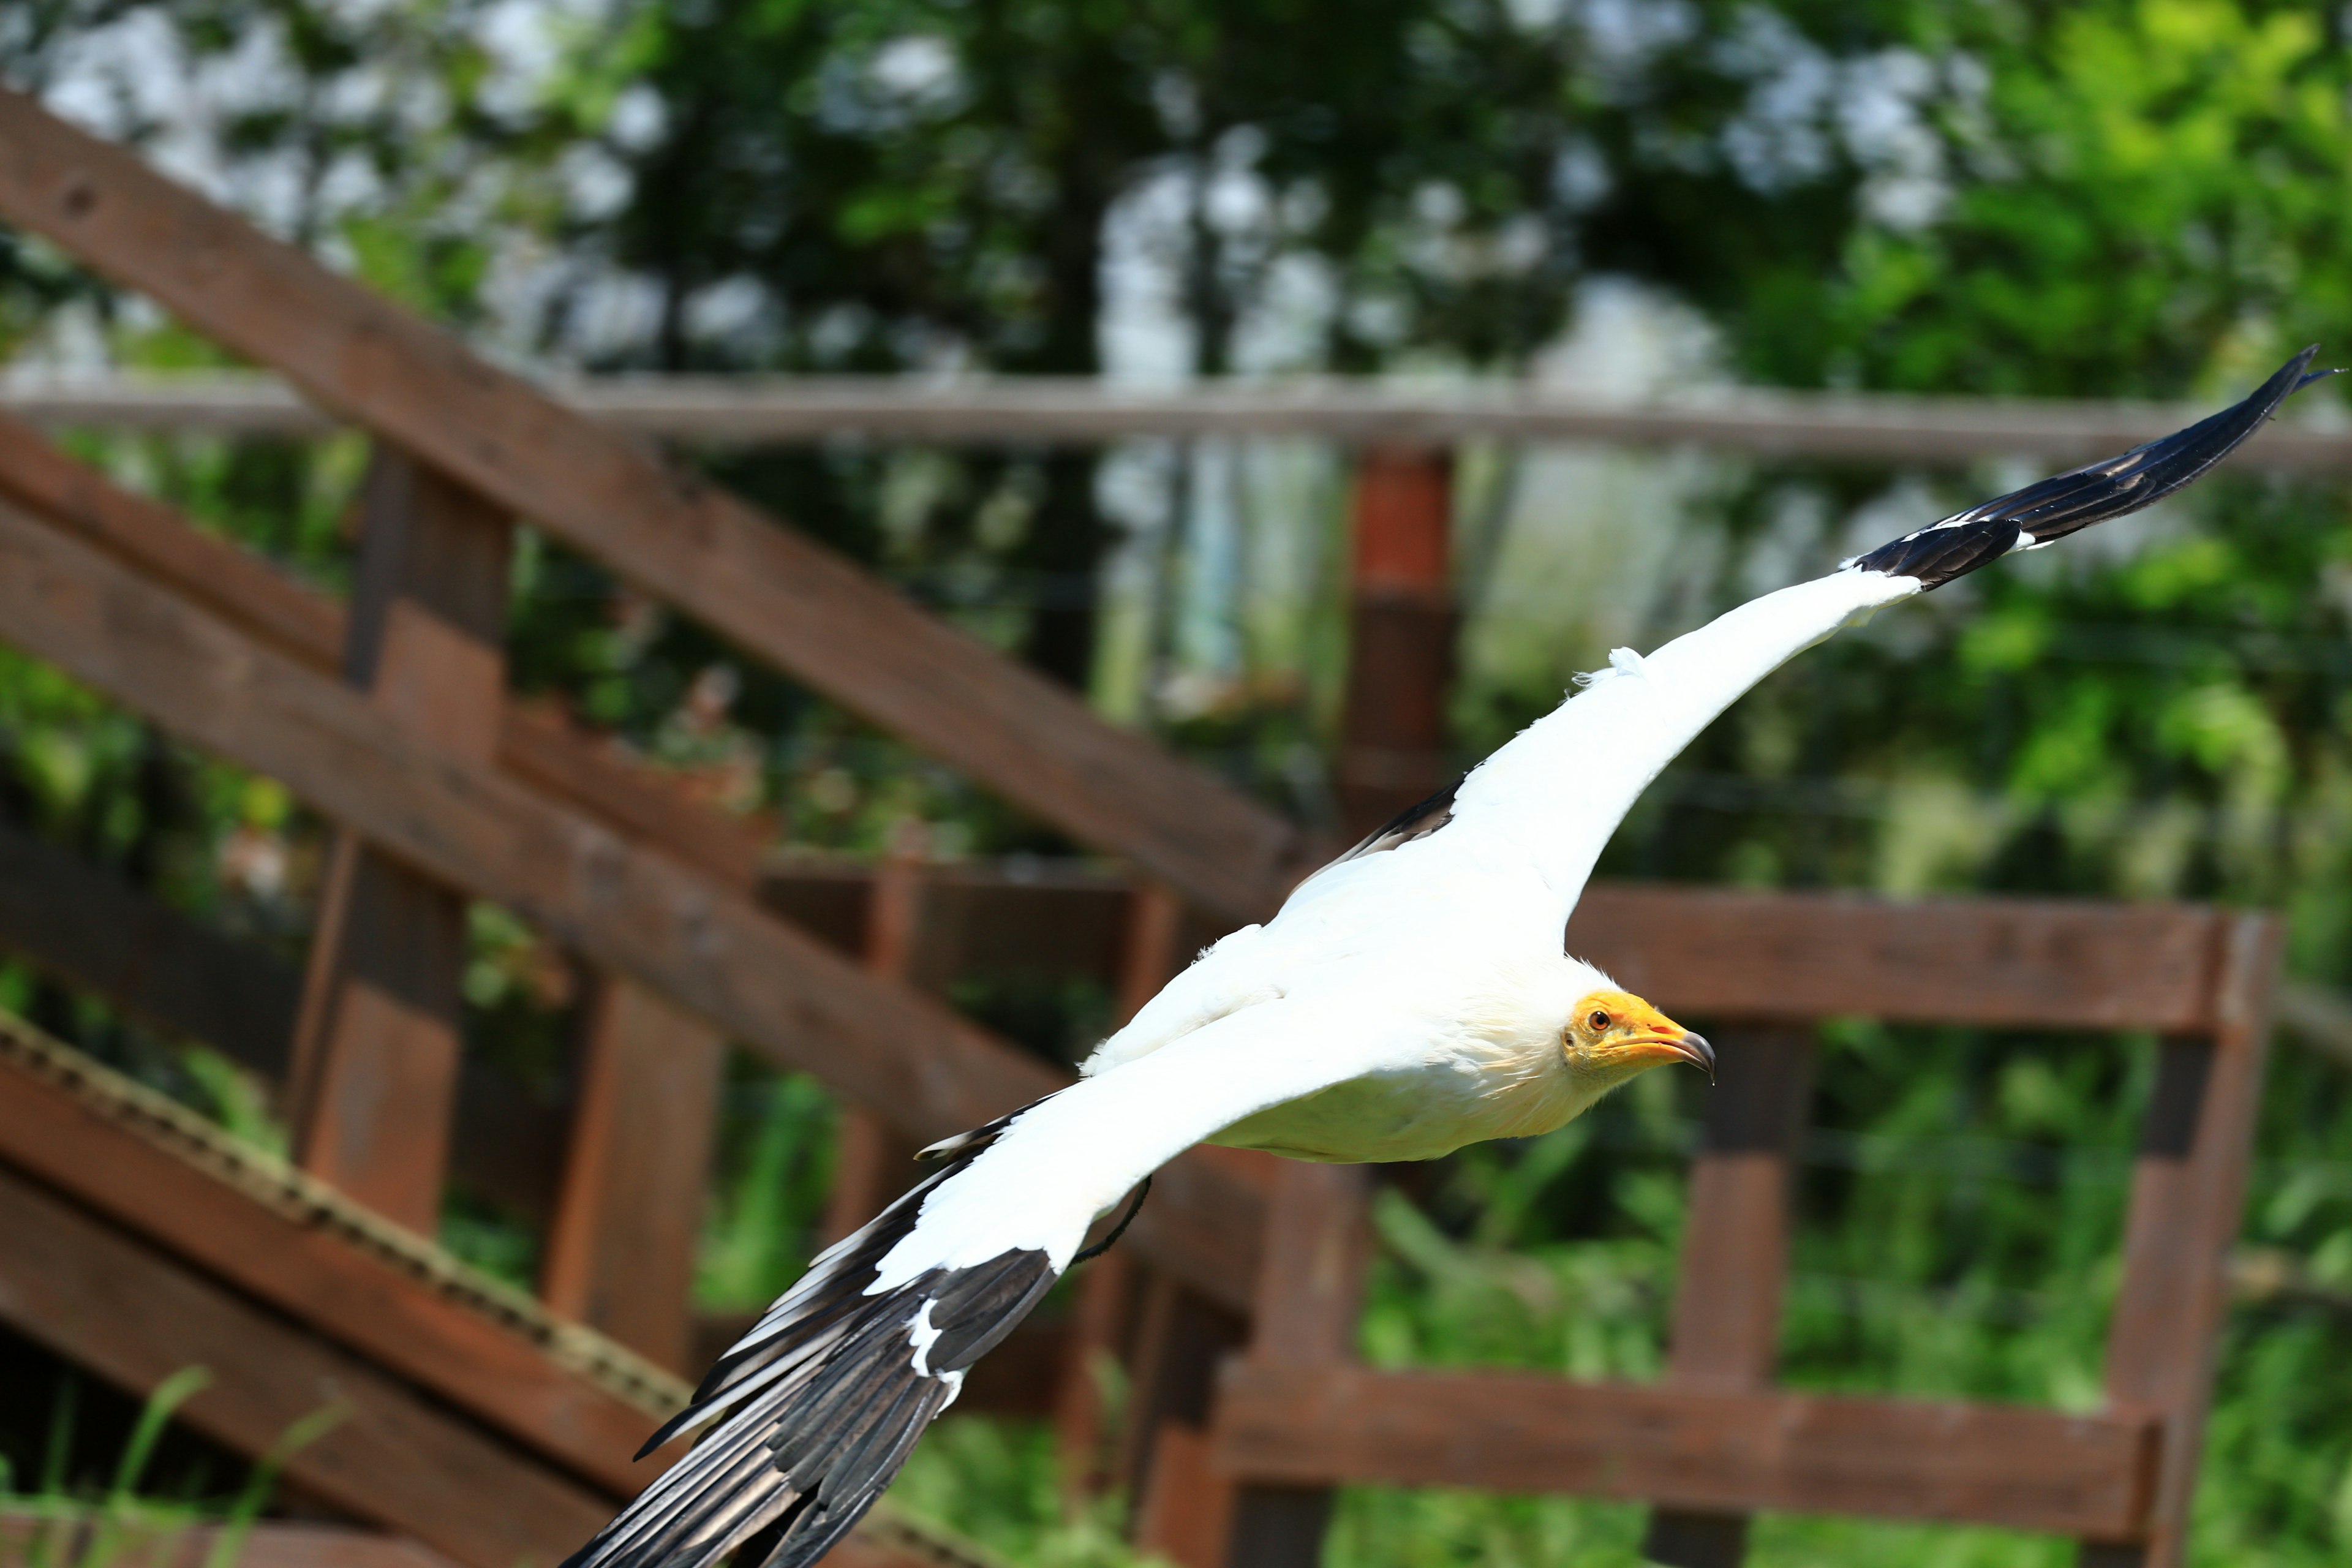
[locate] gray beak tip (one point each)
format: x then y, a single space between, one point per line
1700 1053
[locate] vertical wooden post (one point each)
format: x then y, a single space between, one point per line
1393 748
2188 1187
1181 1503
628 1214
377 1043
872 1164
1111 1288
1734 1256
1310 1297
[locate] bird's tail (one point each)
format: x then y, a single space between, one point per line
818 1405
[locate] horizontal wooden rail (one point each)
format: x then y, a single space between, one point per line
777 595
749 410
674 928
2020 1468
1801 957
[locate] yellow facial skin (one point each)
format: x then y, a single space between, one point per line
1621 1034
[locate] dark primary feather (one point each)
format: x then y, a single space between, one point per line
2059 506
820 1404
1417 821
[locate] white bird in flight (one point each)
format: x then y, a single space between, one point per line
1409 998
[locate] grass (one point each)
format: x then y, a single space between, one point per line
75 1527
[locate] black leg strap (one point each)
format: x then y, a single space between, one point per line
1134 1207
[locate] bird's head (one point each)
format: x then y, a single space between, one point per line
1614 1035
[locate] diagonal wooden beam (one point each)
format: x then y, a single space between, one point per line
774 593
158 1172
286 1282
135 1317
536 746
671 927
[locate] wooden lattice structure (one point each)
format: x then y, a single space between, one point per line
388 715
1716 1440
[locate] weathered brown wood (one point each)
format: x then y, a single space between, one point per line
2188 1189
641 913
536 745
2026 1469
382 1030
541 748
620 1254
1392 727
1149 954
280 1255
1110 1291
872 1163
394 1459
1100 1327
28 1536
1310 1282
1798 958
1187 1516
89 930
776 593
1034 409
1310 1293
1735 1255
1180 1336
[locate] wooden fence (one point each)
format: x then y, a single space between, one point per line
390 717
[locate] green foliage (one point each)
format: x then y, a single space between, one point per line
2118 197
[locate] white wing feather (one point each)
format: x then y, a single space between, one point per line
1068 1158
1527 822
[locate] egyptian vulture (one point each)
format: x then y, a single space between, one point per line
1410 997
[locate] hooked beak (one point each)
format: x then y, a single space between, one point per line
1687 1046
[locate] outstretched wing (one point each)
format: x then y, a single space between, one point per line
814 1411
1558 790
2042 513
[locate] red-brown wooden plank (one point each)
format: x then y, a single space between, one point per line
872 1162
2025 1468
666 925
2188 1189
395 1459
1735 1255
1800 958
1393 750
1110 1292
1310 1293
536 745
376 1053
305 1266
773 591
88 928
628 1217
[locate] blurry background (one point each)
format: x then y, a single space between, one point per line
2131 198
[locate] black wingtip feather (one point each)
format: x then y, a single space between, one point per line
814 1411
2066 503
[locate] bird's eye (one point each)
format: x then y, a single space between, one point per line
1598 1022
